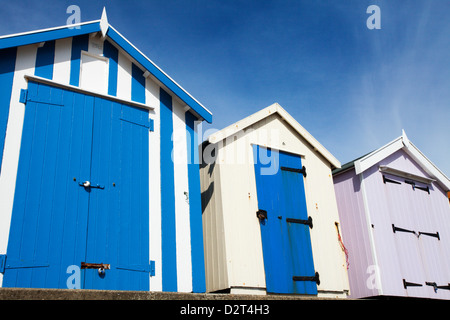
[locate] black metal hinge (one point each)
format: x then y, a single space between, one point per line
315 278
413 184
389 180
407 284
307 222
436 235
302 170
395 229
436 287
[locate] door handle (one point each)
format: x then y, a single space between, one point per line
87 184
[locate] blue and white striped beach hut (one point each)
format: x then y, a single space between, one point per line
89 194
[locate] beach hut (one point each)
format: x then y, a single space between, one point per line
270 217
395 218
89 194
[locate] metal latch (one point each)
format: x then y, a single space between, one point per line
101 267
261 214
87 184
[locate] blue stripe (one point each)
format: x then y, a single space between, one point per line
111 52
137 84
168 246
78 43
45 59
7 66
161 76
195 207
37 37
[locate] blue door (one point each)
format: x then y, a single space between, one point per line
285 225
81 197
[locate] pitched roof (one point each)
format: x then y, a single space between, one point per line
367 161
266 112
112 34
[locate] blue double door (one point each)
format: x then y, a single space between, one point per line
284 222
81 206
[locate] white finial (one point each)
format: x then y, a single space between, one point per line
104 25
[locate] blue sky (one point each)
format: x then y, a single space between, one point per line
352 88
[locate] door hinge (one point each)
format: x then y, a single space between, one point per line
407 284
395 229
436 235
302 170
23 96
2 262
314 278
307 222
152 268
151 125
414 187
436 287
389 180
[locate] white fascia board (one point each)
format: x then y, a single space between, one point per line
272 109
376 156
404 143
69 26
242 124
428 166
156 66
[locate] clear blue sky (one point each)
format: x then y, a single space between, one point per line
352 88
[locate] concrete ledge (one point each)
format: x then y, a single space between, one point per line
66 294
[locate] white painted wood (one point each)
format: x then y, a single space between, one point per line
94 73
95 46
63 53
181 186
25 63
152 100
242 257
124 77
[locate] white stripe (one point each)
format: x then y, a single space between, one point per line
25 62
63 55
124 77
152 99
183 238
